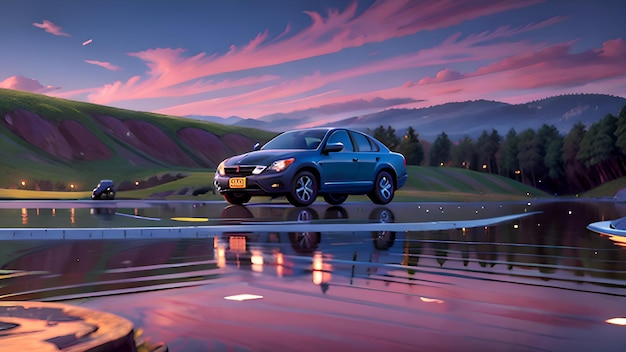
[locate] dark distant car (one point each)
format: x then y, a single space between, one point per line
104 190
302 164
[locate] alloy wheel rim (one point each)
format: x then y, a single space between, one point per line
303 188
385 187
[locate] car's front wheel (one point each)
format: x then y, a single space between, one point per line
384 189
303 189
335 198
236 197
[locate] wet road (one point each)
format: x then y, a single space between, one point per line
445 276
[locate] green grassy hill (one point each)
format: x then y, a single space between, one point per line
21 160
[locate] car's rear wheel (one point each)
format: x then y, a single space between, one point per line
236 197
384 189
303 189
335 198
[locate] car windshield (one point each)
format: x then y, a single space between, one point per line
303 139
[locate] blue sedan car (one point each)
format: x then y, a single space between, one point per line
302 164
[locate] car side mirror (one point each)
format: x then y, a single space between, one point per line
256 147
333 147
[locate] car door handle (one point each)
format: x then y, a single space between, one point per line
355 159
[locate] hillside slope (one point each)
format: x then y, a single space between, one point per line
46 141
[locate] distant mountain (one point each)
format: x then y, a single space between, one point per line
216 119
456 119
472 117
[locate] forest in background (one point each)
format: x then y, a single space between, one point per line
545 158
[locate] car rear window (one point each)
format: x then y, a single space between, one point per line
363 143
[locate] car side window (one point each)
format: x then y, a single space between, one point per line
363 143
342 136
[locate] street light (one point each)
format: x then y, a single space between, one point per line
72 186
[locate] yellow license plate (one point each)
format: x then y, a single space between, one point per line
237 182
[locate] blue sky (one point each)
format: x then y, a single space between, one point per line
256 59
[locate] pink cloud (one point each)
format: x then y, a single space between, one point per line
26 84
285 95
528 76
332 33
51 28
556 66
442 76
107 65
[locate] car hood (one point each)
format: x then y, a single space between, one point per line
262 157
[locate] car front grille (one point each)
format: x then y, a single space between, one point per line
239 171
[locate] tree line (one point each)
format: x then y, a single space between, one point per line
544 158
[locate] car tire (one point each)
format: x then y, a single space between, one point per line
303 189
384 189
237 198
335 198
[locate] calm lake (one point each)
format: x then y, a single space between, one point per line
536 281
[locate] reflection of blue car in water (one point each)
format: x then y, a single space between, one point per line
302 243
302 164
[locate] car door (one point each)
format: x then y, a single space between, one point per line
339 169
367 155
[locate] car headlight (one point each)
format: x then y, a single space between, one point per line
220 168
281 165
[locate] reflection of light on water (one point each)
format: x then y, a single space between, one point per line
72 216
237 244
242 297
617 321
279 260
319 275
430 300
221 257
24 216
619 240
256 259
54 212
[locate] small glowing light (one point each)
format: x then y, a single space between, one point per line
72 186
242 297
527 194
428 211
484 166
256 258
529 204
430 300
136 183
23 183
617 321
441 164
516 226
569 212
279 258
